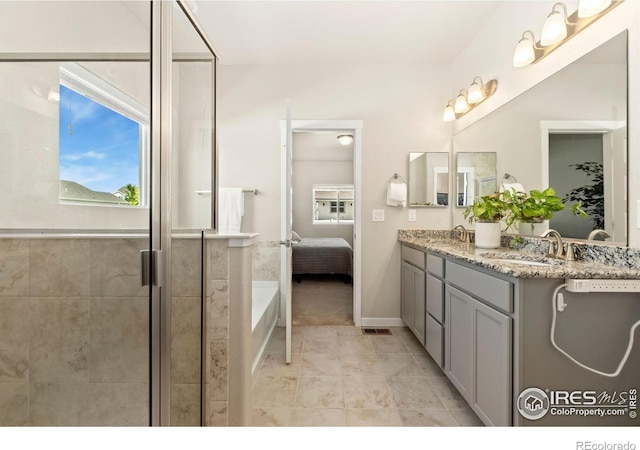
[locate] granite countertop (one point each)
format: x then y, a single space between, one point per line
499 260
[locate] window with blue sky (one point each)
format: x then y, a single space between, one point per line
99 147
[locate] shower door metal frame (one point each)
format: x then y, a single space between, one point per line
160 198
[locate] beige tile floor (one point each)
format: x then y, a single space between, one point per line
340 377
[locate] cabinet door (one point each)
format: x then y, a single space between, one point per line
419 305
459 340
434 298
492 337
407 298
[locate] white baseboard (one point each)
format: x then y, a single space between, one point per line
382 322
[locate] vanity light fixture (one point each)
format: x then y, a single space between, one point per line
449 114
345 139
461 105
526 50
588 8
558 28
554 29
478 92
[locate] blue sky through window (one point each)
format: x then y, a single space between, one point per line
99 148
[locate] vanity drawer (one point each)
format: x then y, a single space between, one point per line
435 303
414 257
435 334
492 290
435 265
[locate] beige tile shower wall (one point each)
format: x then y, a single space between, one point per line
186 273
217 338
73 332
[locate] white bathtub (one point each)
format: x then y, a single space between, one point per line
264 316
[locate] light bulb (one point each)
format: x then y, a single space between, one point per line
476 93
588 8
345 139
524 54
461 106
449 114
554 29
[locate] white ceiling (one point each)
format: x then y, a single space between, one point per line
332 31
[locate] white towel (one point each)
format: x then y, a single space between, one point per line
397 194
231 208
513 187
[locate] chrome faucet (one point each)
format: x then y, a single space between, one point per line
595 233
462 233
558 251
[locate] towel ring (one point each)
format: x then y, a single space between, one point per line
397 179
508 175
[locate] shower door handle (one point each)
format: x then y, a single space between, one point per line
152 267
145 267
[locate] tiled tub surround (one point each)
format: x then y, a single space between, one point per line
593 260
74 330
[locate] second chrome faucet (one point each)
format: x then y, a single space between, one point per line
556 248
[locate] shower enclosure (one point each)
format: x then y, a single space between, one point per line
107 141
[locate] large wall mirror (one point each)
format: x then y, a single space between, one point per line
475 176
568 132
428 179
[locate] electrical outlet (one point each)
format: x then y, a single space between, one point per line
603 285
378 215
412 215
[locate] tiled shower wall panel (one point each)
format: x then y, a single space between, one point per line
73 332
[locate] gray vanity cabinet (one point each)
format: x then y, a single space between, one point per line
478 342
434 338
413 302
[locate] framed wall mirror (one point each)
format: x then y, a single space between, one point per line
428 180
476 176
568 132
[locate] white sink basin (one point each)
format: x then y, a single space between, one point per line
522 262
524 259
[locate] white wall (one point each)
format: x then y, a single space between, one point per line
502 32
400 114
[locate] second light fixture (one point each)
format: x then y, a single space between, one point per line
469 99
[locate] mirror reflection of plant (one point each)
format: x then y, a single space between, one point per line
536 206
590 196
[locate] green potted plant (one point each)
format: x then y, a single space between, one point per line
530 210
487 212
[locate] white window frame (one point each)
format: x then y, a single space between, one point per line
337 201
77 78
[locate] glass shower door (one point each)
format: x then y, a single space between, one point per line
75 84
192 197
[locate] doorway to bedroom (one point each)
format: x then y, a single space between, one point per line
323 216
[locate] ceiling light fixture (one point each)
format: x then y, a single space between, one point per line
345 139
559 28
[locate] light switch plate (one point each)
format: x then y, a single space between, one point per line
378 215
412 215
